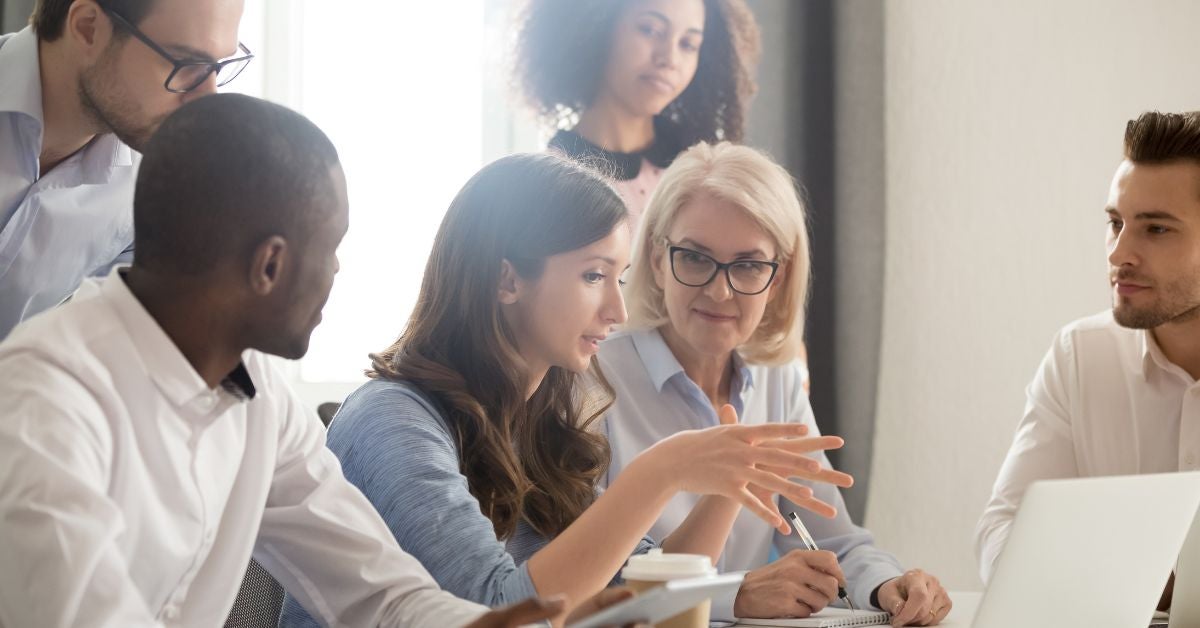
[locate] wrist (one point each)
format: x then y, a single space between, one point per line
660 465
656 468
875 595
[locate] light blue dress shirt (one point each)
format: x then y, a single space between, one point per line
74 221
655 399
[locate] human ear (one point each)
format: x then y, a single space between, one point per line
776 281
658 262
268 264
88 28
509 290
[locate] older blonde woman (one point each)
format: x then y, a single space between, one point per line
716 298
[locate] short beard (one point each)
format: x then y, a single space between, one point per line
109 113
1151 318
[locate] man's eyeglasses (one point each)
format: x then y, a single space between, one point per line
188 74
695 269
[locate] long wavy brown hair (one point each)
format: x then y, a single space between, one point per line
532 460
562 49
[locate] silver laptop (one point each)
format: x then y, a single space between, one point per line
1093 552
1185 602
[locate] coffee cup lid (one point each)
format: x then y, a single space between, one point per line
655 565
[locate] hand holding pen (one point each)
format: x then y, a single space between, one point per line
798 584
808 541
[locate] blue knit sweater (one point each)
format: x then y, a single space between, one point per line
395 446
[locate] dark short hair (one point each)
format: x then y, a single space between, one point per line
1156 137
222 174
50 16
563 48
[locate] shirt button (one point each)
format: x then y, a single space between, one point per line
1190 460
172 613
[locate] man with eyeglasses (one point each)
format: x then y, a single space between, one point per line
81 91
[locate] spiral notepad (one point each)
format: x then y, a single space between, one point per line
828 618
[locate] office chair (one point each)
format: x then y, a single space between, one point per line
259 600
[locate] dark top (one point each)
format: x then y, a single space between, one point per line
623 166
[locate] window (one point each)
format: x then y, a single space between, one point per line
414 96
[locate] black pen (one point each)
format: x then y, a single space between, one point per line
808 541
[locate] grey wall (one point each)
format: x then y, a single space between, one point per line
957 154
14 14
1004 124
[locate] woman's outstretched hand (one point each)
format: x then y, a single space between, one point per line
749 464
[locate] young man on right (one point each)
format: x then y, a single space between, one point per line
1117 392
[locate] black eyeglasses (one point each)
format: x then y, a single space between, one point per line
695 269
188 74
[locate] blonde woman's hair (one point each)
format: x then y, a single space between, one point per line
762 188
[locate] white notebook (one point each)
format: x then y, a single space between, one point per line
827 618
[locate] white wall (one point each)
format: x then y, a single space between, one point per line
1003 126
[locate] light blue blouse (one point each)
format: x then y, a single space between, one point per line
655 399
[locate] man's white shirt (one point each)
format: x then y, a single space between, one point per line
1105 401
132 494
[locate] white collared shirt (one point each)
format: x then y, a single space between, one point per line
655 399
74 221
1105 401
132 494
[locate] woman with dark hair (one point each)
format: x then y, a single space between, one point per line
637 81
474 437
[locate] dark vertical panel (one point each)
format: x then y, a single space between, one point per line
861 195
811 160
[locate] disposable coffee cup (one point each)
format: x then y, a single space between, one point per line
647 571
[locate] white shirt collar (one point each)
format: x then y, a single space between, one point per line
662 364
1151 355
1153 358
166 366
21 69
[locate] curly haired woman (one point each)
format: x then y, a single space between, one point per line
630 84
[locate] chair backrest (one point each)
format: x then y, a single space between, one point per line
327 410
259 600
